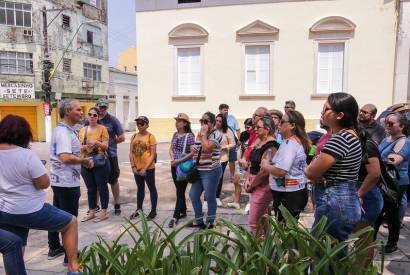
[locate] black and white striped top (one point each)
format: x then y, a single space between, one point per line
347 150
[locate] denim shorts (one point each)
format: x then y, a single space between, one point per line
48 218
233 155
372 205
340 204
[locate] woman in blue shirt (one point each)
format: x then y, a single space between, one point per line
395 149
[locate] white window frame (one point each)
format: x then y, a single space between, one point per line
243 69
3 6
201 61
28 57
92 68
317 42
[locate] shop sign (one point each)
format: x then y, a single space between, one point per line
16 90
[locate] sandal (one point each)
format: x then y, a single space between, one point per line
87 218
172 222
135 214
196 225
100 219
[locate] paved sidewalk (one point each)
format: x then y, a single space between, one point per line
36 251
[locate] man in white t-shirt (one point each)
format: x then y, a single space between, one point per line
65 168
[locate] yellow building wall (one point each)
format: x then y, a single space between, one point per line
128 59
38 129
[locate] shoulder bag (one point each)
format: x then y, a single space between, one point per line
193 174
389 179
98 159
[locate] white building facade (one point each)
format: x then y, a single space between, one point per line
123 96
194 56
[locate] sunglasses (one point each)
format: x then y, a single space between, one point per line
204 121
92 115
103 108
140 123
390 123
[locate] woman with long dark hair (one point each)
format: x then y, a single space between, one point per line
180 152
395 149
228 142
287 179
207 152
335 171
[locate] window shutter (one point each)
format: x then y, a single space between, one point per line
330 67
257 69
189 71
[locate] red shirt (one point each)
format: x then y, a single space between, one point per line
252 137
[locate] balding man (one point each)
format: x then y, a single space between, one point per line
367 120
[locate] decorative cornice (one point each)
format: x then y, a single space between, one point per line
187 30
257 27
333 24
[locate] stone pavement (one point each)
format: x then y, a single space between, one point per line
36 250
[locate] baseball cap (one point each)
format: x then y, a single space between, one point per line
143 118
102 102
182 116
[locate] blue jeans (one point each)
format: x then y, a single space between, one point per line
11 247
372 205
208 182
340 204
97 179
48 218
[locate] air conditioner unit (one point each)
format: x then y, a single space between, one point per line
27 33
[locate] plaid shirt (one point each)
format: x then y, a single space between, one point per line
178 144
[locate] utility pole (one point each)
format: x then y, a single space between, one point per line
46 86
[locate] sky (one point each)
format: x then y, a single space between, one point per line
121 27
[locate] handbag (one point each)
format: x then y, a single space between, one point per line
389 179
98 159
193 174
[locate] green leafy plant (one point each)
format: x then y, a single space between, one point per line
287 248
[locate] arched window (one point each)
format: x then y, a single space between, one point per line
257 41
331 36
188 40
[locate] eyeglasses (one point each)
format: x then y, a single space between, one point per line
92 115
203 121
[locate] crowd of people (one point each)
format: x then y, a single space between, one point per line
274 159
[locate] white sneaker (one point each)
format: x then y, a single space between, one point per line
218 202
234 205
247 207
205 206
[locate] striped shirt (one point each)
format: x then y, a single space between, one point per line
209 161
347 150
